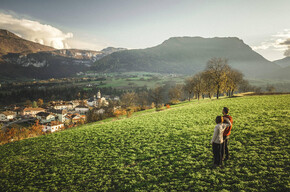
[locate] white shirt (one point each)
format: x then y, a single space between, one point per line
218 133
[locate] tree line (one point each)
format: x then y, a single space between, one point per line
217 79
66 93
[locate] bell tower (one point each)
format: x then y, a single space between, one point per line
99 94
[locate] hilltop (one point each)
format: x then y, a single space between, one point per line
187 55
11 43
285 62
283 73
161 151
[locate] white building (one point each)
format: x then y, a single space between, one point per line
31 112
76 102
45 117
7 115
99 94
52 127
101 101
60 114
92 101
100 111
82 109
116 98
63 106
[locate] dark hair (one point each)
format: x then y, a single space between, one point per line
226 110
219 119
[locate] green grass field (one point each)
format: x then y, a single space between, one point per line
159 151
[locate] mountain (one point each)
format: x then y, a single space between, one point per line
20 58
281 74
110 50
187 55
285 62
11 43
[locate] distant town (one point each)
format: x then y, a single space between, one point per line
57 114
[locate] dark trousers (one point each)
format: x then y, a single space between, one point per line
217 153
225 149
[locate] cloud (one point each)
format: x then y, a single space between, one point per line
35 31
278 42
88 43
287 42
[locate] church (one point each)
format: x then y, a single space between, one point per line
98 101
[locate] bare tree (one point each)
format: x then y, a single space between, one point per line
218 67
244 86
189 87
175 93
28 103
209 87
143 99
40 102
234 78
157 96
128 99
198 85
270 88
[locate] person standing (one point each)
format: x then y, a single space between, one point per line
226 135
217 139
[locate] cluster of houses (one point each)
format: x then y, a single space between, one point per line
59 113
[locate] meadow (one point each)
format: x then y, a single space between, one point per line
168 150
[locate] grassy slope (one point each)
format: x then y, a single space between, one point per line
159 151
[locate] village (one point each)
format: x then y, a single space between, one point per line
57 115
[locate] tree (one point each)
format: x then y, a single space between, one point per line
156 96
40 102
143 99
244 86
198 85
270 88
189 87
175 93
111 108
92 116
128 99
10 134
34 104
218 67
35 129
208 83
234 78
28 103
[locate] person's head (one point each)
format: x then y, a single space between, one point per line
225 111
219 119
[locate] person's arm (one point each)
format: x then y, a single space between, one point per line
215 134
227 124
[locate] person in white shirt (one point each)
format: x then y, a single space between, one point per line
217 139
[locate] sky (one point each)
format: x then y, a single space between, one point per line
96 24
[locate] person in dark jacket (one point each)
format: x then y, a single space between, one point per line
226 135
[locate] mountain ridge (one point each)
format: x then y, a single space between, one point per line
20 58
285 62
184 55
187 55
11 43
